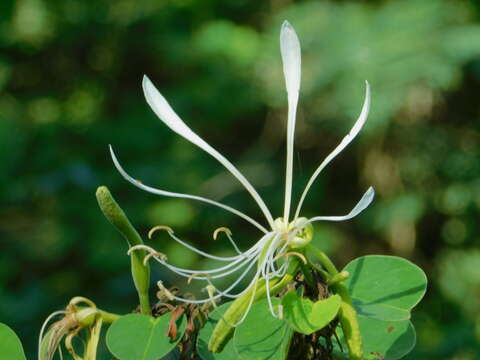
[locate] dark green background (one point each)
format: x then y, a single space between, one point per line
70 84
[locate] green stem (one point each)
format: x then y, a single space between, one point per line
224 329
140 272
85 316
308 276
347 314
341 276
324 259
325 275
108 317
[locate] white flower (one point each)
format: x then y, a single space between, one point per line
281 235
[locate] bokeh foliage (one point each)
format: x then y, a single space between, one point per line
70 74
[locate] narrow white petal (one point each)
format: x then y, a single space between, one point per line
290 49
163 110
291 58
343 144
361 205
180 195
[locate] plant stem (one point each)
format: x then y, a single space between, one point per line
140 272
224 329
308 276
324 259
347 314
108 317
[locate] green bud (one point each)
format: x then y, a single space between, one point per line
117 217
86 316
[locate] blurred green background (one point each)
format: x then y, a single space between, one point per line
70 84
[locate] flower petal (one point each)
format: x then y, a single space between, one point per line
361 205
163 110
343 144
180 195
291 58
290 49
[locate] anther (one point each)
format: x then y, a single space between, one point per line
80 299
170 307
141 247
161 257
165 291
228 233
221 229
159 227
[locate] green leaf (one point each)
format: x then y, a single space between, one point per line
228 351
384 340
385 287
262 336
305 316
10 345
141 337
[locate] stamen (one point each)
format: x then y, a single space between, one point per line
140 247
187 273
221 229
268 261
170 307
228 233
161 257
80 299
165 291
248 259
159 227
194 249
44 325
255 278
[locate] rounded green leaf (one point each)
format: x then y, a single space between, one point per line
141 337
262 336
204 334
10 345
306 316
384 340
385 287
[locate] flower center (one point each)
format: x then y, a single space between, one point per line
297 234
